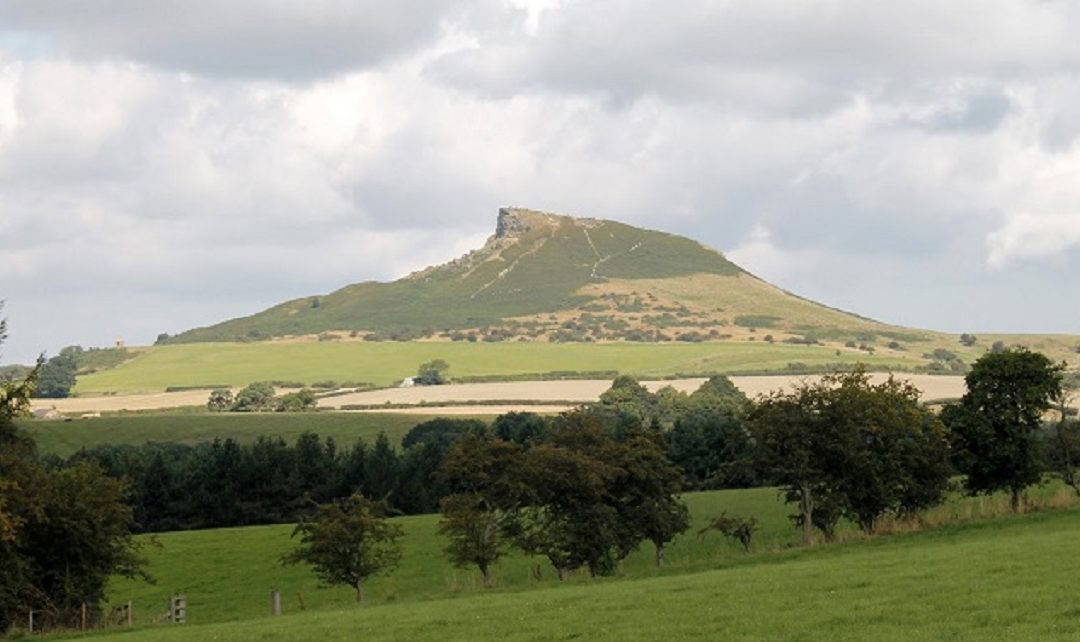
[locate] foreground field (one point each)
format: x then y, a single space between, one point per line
65 438
384 363
1006 578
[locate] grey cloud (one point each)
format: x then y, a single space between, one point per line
274 39
787 59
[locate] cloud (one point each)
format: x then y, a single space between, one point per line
269 39
1028 236
163 169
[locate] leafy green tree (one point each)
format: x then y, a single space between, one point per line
298 401
894 454
442 432
520 427
997 421
57 376
62 533
220 400
627 396
382 469
713 448
845 447
346 542
475 532
647 493
719 394
795 446
967 339
432 373
255 397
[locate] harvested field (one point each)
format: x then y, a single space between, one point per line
469 410
932 387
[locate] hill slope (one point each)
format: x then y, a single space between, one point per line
556 277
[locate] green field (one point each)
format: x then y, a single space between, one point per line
956 578
1007 580
384 363
65 438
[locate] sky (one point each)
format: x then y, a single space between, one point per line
166 164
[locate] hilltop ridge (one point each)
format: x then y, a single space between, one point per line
547 276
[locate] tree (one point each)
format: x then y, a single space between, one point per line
474 530
997 420
520 427
627 396
255 397
1061 448
432 373
220 400
442 432
713 448
346 542
737 528
795 446
967 339
719 394
648 493
844 447
298 401
57 376
894 453
62 533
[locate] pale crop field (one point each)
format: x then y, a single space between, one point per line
555 392
931 386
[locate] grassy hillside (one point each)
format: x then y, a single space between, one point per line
384 363
534 263
63 439
1007 577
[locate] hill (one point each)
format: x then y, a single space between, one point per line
553 277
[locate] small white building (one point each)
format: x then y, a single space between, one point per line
408 382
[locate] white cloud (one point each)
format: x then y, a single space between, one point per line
201 172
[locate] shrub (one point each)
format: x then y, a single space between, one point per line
220 400
255 397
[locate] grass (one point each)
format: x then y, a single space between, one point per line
66 438
538 274
1005 578
383 363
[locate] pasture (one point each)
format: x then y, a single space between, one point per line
973 577
384 363
66 438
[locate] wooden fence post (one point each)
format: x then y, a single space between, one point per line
31 620
275 602
82 617
129 613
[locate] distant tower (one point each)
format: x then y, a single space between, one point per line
119 343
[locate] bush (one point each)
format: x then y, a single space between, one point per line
220 400
255 397
296 401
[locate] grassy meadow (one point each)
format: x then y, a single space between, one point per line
971 577
384 363
65 438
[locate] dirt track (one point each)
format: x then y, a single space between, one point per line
933 387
